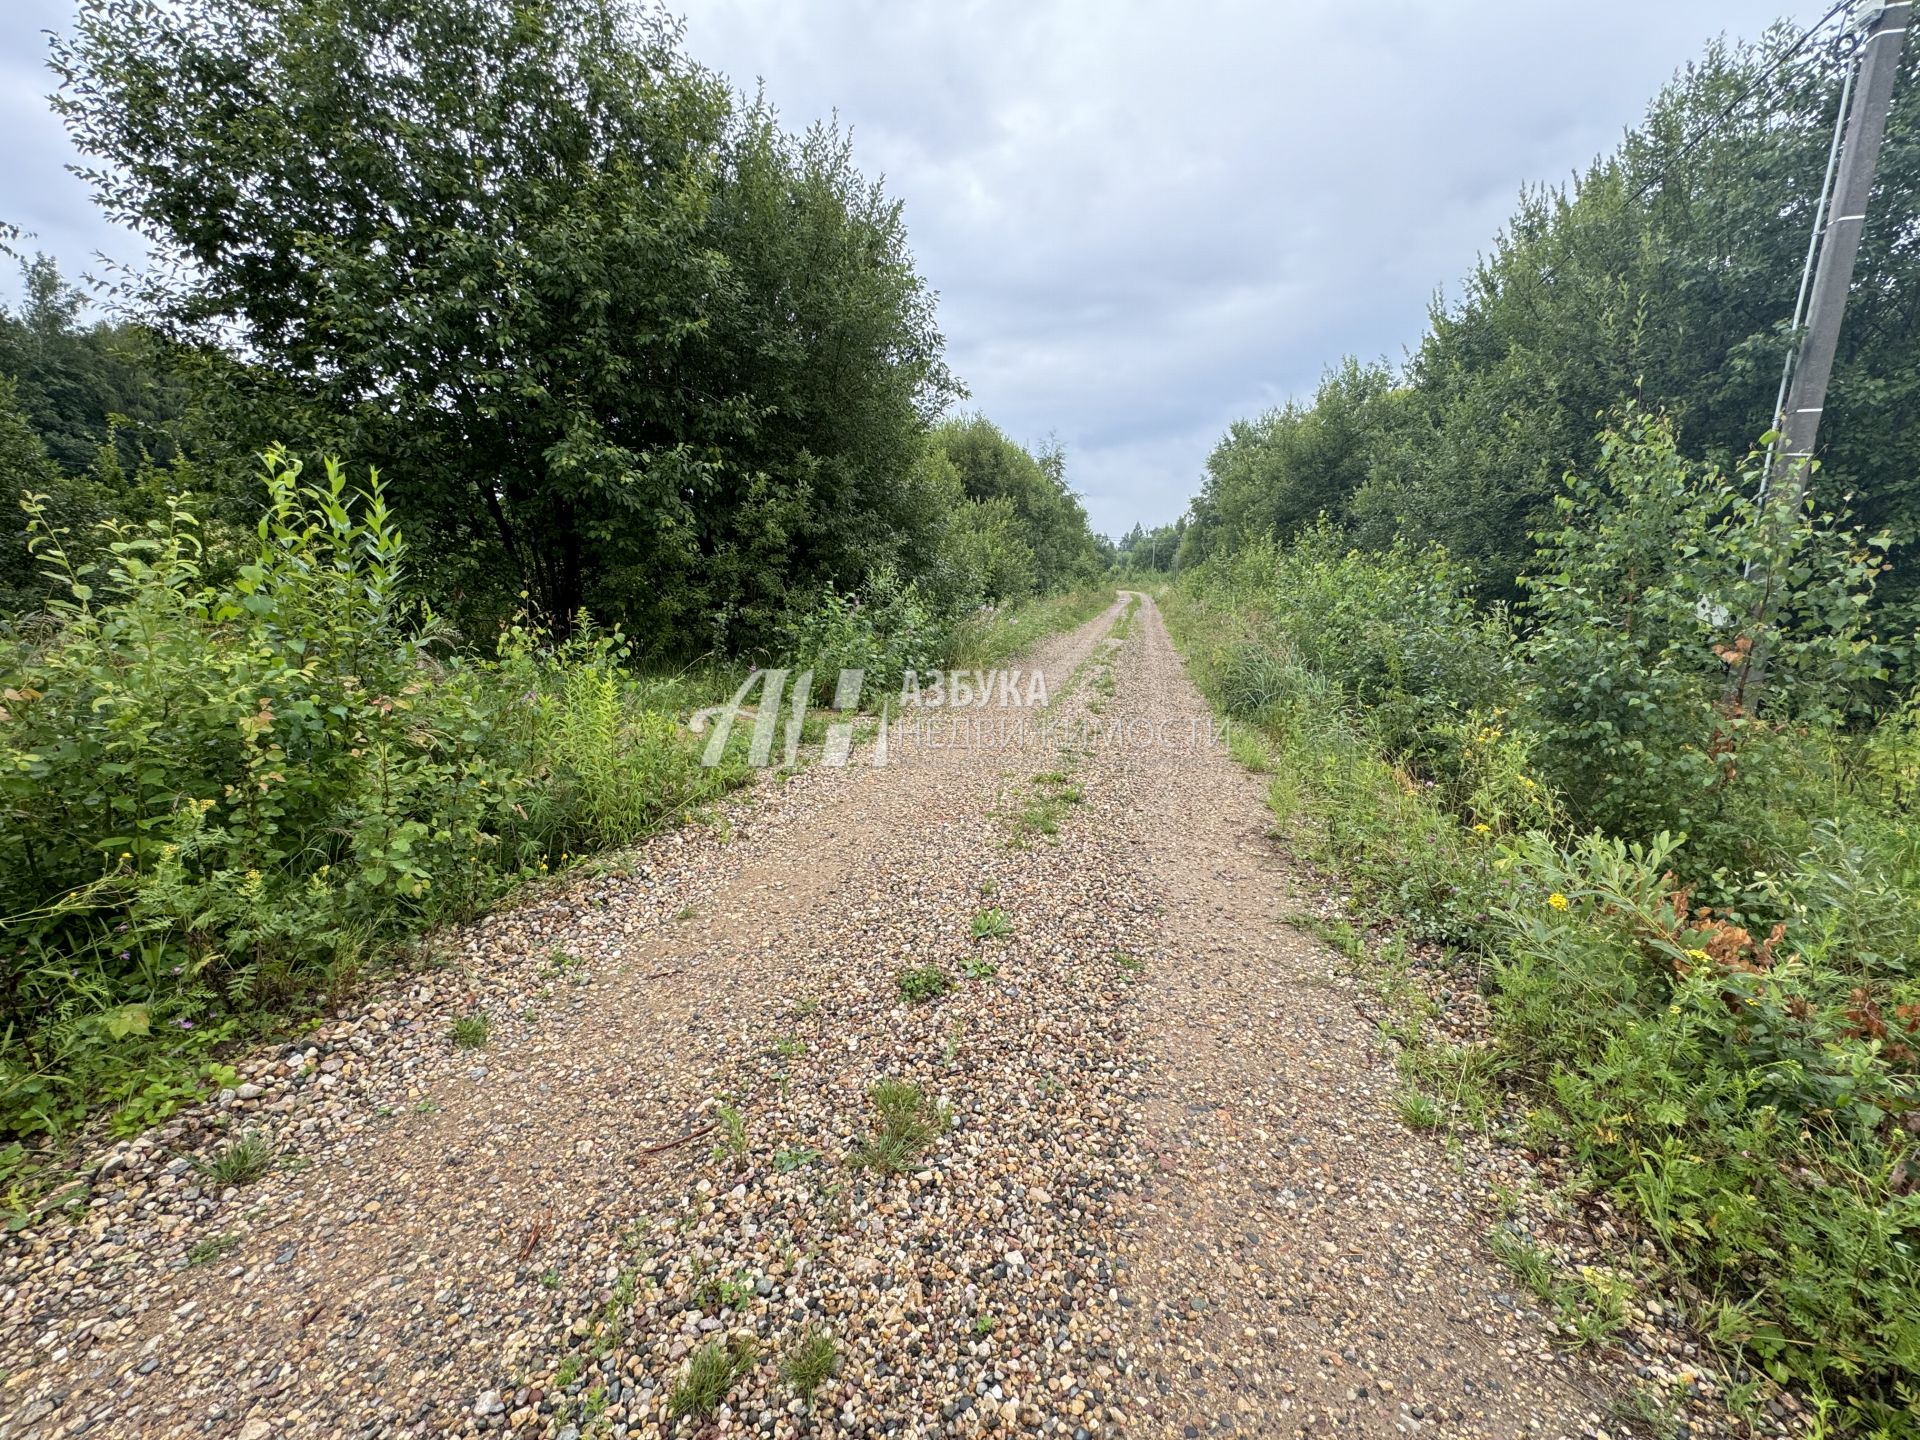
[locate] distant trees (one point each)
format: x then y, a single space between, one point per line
1025 526
76 377
1157 549
1664 275
85 407
614 337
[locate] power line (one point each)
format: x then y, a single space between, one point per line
1738 100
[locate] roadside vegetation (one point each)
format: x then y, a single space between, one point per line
1696 911
1537 679
378 552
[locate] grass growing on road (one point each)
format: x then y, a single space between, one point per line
906 1123
810 1361
214 1247
711 1372
471 1031
1047 799
240 1163
922 983
1589 1304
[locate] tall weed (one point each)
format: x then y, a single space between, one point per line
229 782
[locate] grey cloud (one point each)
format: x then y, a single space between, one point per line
1143 220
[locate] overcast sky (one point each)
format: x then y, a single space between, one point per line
1143 221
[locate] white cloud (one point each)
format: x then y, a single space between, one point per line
1146 220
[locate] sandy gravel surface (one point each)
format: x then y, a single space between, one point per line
1167 1194
1309 1266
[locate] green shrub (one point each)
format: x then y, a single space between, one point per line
1643 662
1752 1096
885 630
227 786
1397 632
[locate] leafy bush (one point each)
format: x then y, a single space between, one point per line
1752 1096
1722 1029
1642 660
1396 631
225 792
886 629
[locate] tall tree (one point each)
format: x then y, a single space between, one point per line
1045 515
531 261
1664 275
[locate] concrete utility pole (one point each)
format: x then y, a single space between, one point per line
1879 59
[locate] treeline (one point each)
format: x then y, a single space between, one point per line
617 341
502 386
1545 681
1154 551
1664 275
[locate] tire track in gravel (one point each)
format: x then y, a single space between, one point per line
1306 1265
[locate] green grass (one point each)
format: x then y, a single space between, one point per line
1590 1305
976 968
810 1361
1128 965
1249 750
726 1292
922 983
906 1123
1464 1083
711 1371
1417 1112
1006 631
560 963
731 1147
1043 804
992 925
214 1247
471 1031
242 1162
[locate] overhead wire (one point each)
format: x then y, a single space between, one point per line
1741 99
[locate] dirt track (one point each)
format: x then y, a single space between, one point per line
1173 1199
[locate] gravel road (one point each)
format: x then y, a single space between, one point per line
1169 1197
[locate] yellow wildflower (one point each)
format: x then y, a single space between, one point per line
1557 900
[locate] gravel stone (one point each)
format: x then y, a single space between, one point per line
1172 1198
